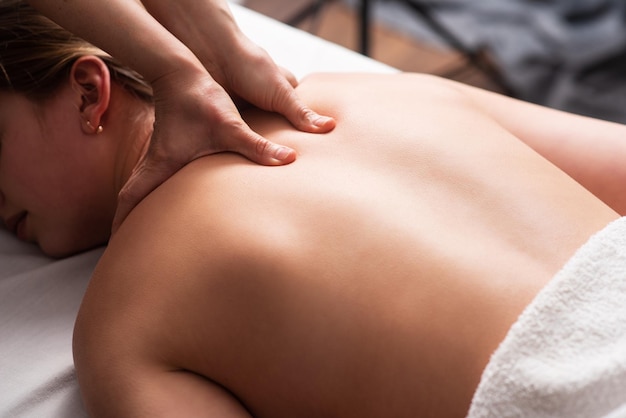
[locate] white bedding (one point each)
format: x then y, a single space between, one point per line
39 297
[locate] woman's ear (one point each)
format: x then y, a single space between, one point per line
91 79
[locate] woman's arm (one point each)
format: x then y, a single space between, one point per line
134 391
591 151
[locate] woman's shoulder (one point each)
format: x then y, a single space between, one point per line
157 259
352 93
194 220
347 82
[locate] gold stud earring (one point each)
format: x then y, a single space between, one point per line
97 130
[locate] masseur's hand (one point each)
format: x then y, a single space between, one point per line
238 64
252 76
198 112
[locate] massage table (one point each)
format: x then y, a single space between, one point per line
39 297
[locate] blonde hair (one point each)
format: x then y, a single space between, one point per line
36 55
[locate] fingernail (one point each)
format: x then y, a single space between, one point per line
318 120
280 153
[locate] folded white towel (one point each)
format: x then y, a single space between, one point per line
566 354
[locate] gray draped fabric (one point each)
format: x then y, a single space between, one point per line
567 54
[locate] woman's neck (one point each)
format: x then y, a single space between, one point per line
132 143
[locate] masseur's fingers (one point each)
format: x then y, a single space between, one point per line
234 135
253 76
199 120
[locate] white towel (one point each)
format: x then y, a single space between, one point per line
566 354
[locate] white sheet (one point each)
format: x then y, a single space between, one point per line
39 297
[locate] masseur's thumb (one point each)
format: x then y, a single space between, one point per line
287 102
259 150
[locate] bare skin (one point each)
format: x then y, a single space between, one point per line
373 277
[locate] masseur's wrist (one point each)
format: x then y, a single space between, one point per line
206 27
176 63
186 76
209 30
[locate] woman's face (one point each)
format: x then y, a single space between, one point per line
54 188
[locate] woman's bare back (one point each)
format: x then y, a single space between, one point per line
372 277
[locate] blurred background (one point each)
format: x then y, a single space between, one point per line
566 54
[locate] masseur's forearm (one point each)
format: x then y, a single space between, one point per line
207 27
124 29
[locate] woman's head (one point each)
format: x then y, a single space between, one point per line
59 174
